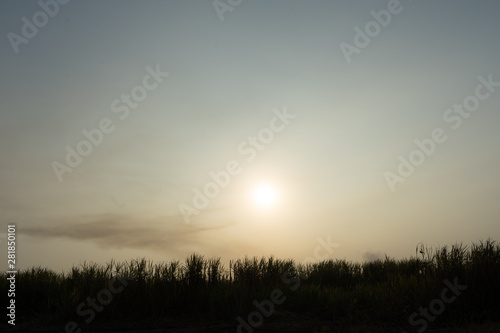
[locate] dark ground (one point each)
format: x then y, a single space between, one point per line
294 325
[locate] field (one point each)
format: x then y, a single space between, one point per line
437 290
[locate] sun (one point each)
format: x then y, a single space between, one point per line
265 196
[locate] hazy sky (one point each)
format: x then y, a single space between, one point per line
352 94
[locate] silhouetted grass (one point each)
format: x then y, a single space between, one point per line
200 288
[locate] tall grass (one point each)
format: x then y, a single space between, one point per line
386 290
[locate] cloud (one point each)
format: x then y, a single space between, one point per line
373 256
163 234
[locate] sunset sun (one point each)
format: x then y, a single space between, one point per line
265 196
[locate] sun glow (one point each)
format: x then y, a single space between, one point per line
265 196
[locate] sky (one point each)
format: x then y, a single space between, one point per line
235 128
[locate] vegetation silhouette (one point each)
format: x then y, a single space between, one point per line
382 292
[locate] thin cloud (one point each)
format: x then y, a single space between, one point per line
165 234
373 256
